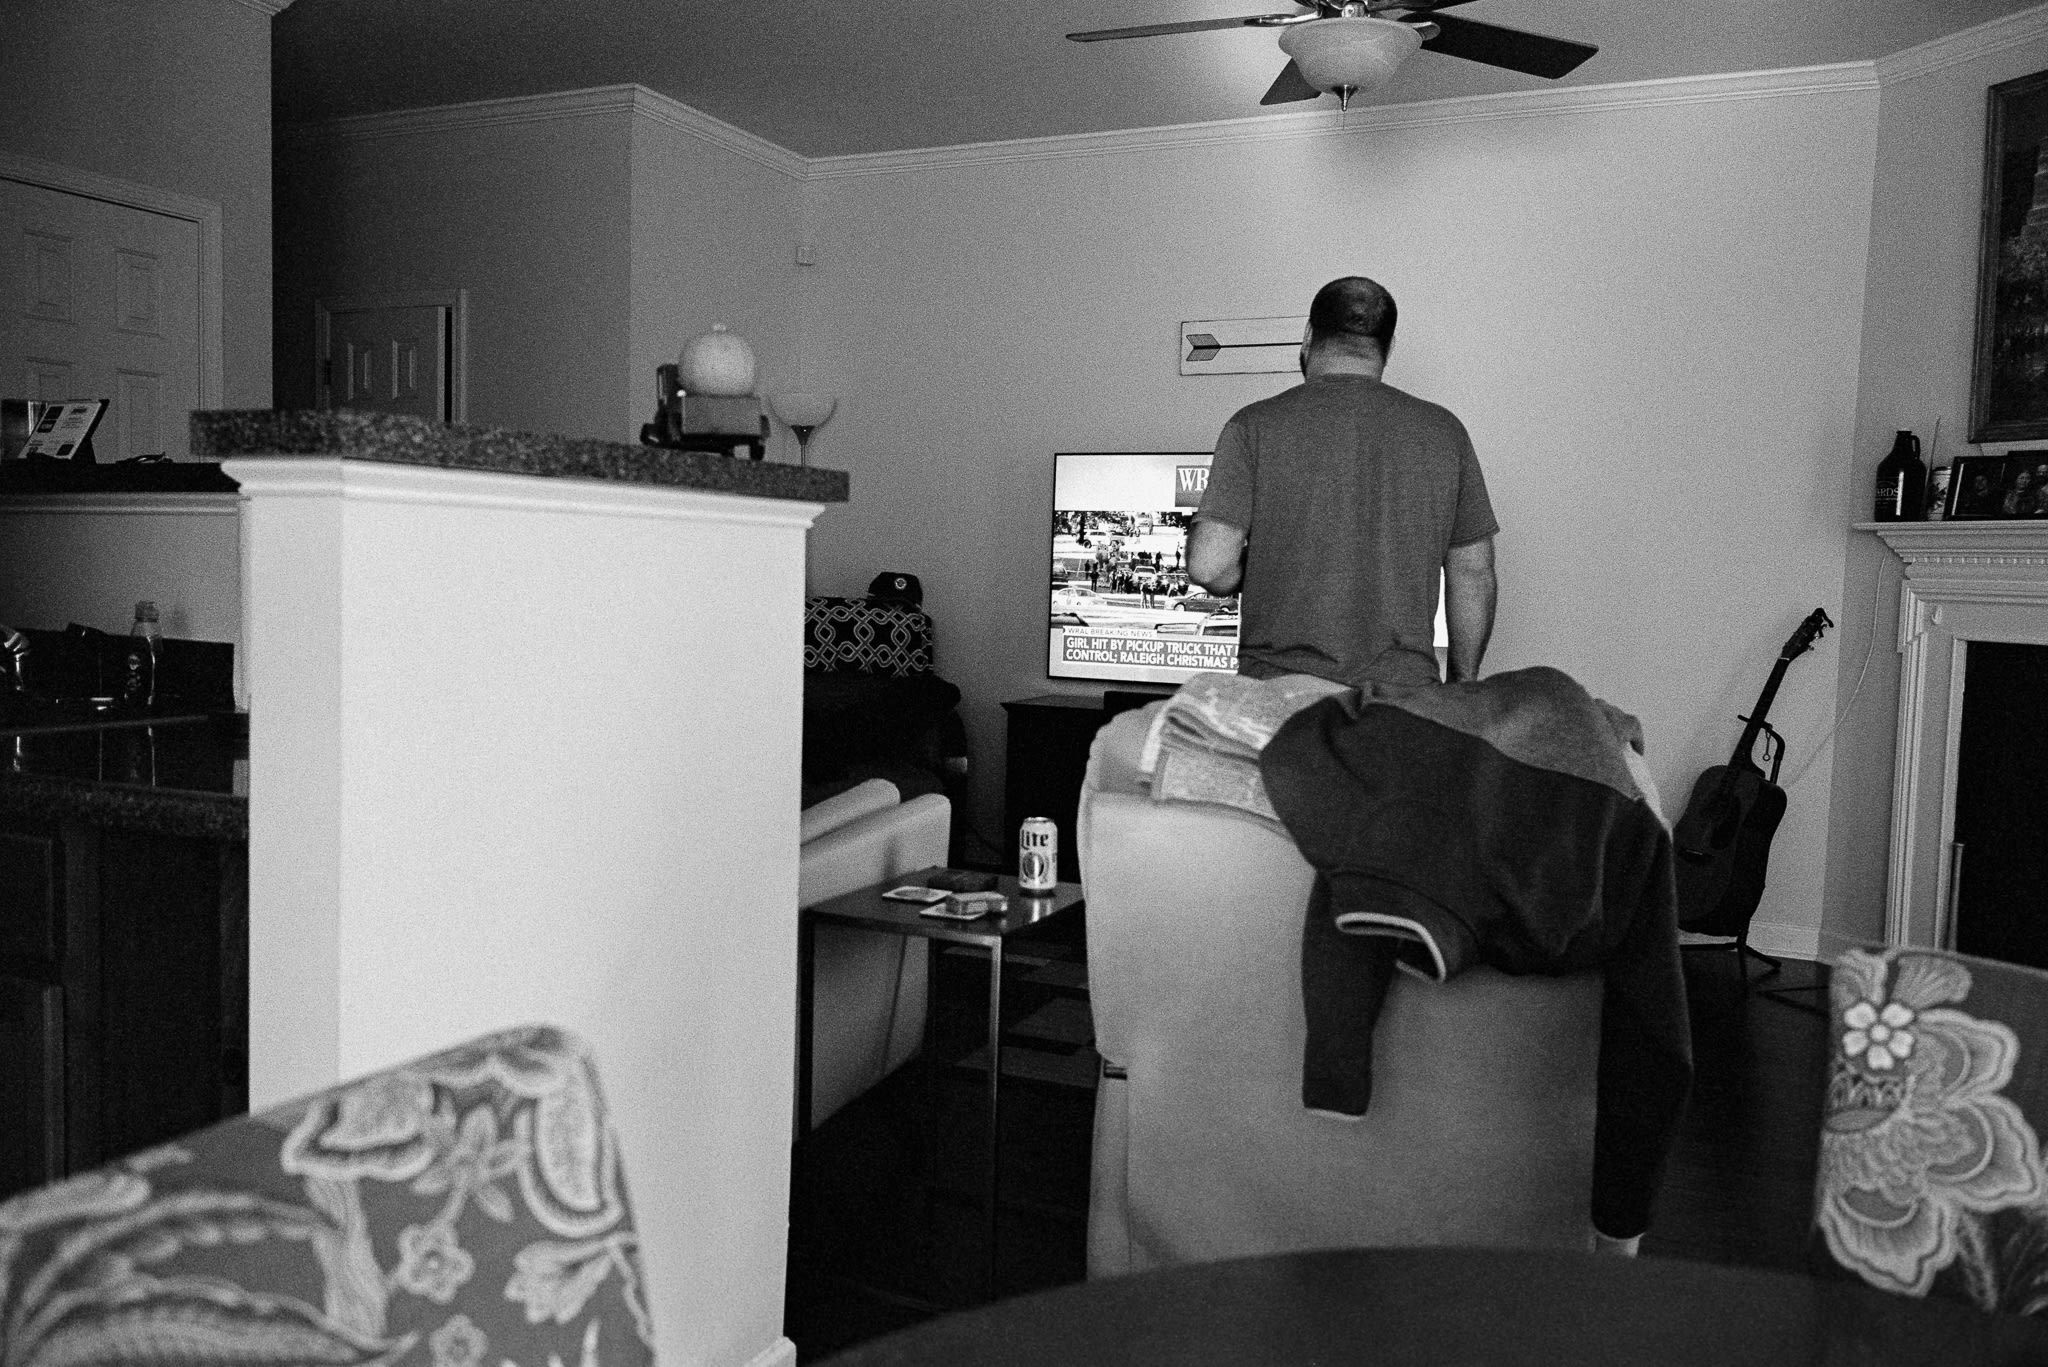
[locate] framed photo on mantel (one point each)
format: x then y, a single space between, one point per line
1986 488
2009 378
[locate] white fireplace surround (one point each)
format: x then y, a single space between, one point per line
1964 582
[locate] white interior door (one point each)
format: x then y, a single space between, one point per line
389 359
101 301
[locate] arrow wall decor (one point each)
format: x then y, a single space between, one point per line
1241 346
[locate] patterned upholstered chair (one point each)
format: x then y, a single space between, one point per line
1931 1177
463 1209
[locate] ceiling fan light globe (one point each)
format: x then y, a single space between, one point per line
1348 55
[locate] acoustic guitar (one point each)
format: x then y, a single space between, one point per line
1723 841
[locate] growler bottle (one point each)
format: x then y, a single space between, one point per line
1902 482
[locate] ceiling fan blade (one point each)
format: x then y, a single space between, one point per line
1189 26
1290 85
1505 47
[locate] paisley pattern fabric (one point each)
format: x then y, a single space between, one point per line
864 636
462 1210
1931 1176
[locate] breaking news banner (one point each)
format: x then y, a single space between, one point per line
1081 646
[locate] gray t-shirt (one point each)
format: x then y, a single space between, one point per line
1349 492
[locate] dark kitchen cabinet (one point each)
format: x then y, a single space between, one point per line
123 990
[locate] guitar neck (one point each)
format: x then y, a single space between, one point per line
1742 759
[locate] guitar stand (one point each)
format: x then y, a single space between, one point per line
1744 952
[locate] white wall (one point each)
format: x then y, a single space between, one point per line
524 203
1601 285
176 97
88 560
1919 326
595 231
715 223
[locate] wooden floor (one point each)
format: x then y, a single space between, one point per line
886 1225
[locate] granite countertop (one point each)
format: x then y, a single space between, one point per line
185 775
394 439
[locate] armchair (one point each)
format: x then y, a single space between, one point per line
1931 1180
1481 1126
870 990
466 1207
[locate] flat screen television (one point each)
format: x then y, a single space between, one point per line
1122 609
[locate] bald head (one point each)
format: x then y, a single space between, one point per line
1352 317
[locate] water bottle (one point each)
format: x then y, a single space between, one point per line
144 648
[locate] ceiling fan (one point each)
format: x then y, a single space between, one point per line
1340 47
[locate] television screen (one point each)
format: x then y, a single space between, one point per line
1122 609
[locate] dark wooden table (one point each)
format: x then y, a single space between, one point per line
1445 1307
866 909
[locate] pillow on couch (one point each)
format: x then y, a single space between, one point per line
865 636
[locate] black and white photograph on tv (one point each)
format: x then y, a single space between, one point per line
1122 608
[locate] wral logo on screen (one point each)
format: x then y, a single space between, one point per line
1190 482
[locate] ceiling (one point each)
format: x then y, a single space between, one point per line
825 78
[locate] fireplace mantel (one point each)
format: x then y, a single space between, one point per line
1963 582
1966 550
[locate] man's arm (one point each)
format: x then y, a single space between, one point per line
1216 555
1470 590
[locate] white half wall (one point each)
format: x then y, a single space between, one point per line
1644 302
527 750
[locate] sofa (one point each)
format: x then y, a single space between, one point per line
1480 1130
869 989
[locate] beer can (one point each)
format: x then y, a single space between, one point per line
1038 856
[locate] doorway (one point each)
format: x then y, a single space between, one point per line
109 300
401 353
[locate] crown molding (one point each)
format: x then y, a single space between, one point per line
1848 77
639 101
633 101
441 118
1980 41
673 113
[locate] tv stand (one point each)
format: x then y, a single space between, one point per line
1046 757
1115 700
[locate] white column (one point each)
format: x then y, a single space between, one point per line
527 749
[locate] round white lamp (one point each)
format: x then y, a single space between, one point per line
1344 55
803 414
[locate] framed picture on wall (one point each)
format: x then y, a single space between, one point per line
2009 378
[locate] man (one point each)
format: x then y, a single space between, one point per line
1332 507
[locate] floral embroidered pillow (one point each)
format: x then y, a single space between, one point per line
464 1209
1931 1176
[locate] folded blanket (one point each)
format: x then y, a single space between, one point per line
1204 743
